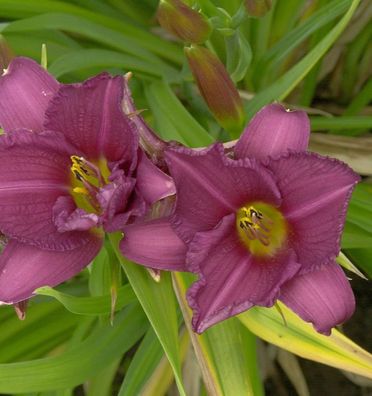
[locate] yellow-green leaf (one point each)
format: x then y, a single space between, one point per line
300 338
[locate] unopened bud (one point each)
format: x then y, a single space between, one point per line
216 87
258 8
179 19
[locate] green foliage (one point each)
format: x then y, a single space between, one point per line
67 339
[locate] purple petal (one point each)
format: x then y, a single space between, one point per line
323 297
25 91
316 191
231 280
152 183
34 172
154 244
91 117
273 131
24 268
69 218
210 186
115 201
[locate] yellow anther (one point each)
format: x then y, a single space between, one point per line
80 190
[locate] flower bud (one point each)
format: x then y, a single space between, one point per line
179 19
216 87
258 8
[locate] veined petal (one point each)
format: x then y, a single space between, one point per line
230 279
25 92
323 297
316 191
273 131
152 183
24 268
34 172
210 186
90 116
154 244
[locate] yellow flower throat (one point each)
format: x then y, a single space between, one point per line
262 228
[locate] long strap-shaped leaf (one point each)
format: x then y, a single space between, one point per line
285 84
158 301
96 305
226 352
76 365
300 338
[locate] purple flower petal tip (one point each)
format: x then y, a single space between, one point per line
323 297
273 131
154 244
317 191
24 268
26 90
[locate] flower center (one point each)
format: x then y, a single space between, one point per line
86 182
262 228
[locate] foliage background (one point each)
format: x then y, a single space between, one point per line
311 54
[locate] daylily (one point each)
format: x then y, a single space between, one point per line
259 224
70 170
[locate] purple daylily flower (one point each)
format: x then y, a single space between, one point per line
70 170
260 224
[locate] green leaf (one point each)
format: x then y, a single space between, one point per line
234 354
150 373
286 83
165 104
158 302
362 258
83 27
73 367
301 339
272 58
101 383
46 326
346 263
226 352
239 55
98 305
319 123
86 58
26 8
143 364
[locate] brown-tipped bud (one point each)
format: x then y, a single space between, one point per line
258 8
6 53
216 87
187 24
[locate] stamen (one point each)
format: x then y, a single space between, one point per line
255 225
262 228
90 177
85 168
80 190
